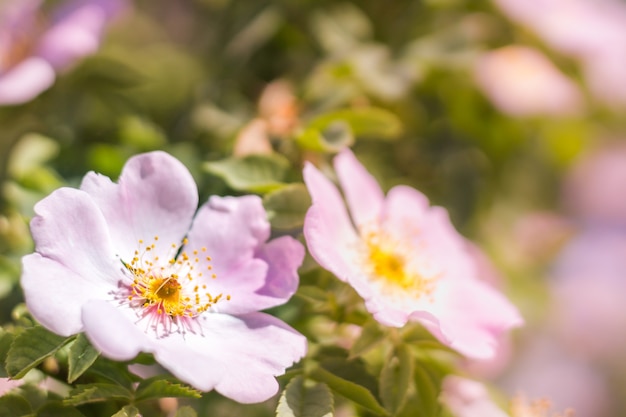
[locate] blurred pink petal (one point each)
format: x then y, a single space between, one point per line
25 81
590 31
522 82
31 51
595 188
588 290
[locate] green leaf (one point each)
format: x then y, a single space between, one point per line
312 293
14 406
371 335
302 399
81 356
336 130
427 392
91 393
357 393
56 409
6 338
252 173
128 411
395 379
287 206
186 411
113 371
30 348
157 387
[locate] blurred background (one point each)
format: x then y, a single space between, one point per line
509 113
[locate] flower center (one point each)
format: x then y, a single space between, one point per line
392 262
177 287
521 407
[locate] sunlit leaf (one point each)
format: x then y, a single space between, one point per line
90 393
395 379
253 173
30 348
355 392
81 356
158 387
128 411
287 206
305 399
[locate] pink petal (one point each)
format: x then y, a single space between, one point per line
329 234
69 229
284 255
111 330
266 281
155 196
473 317
237 356
25 81
363 194
55 294
231 229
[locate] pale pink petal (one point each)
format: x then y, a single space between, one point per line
473 317
111 330
221 219
363 194
69 228
25 81
330 236
155 196
55 294
266 281
238 356
255 275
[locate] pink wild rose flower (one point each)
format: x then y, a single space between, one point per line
135 267
404 258
33 47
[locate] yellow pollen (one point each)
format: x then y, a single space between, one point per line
387 261
157 284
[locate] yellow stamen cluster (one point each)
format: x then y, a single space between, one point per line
388 260
520 407
174 287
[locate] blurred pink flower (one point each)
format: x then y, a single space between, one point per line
32 49
467 398
404 258
588 291
522 82
130 265
548 369
594 189
590 31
